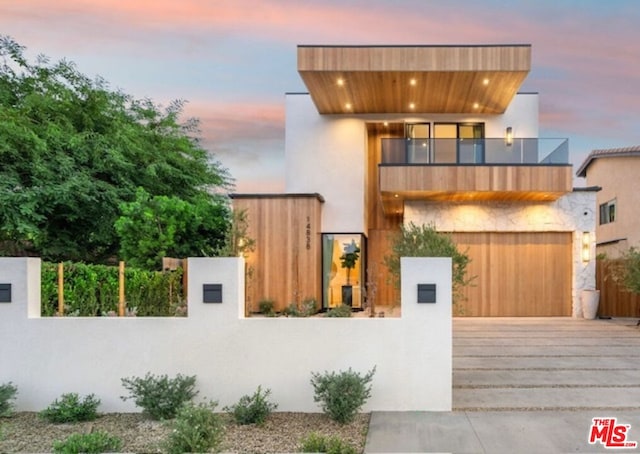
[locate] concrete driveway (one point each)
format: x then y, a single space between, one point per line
528 385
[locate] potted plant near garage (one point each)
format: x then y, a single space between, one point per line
348 260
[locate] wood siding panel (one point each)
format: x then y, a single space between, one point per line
486 182
615 301
380 226
286 265
517 274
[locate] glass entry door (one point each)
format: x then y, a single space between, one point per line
343 269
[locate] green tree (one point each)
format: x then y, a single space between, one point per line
154 227
74 152
425 241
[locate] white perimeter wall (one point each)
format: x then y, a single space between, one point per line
327 153
574 212
230 355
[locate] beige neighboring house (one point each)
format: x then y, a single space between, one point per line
616 171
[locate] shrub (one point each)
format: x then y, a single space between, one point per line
626 270
92 290
266 307
315 442
342 394
7 394
252 409
344 310
160 397
69 408
94 442
196 429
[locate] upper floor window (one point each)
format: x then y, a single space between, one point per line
608 212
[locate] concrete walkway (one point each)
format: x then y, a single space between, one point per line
526 385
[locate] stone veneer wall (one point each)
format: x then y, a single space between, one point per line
573 212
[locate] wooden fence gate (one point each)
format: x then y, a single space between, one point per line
615 301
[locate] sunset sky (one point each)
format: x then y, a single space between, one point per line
234 60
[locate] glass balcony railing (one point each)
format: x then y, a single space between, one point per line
475 151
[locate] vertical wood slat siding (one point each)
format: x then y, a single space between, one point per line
281 267
517 274
380 226
615 301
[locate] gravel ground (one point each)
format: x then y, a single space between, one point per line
27 433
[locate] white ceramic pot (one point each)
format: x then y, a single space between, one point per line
590 300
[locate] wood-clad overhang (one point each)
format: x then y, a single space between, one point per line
472 183
478 79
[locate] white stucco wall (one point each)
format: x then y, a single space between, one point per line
326 154
230 355
574 212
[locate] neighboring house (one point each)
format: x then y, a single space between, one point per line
616 171
424 134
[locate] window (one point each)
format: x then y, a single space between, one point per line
608 212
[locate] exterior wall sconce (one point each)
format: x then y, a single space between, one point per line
586 246
240 247
5 293
212 293
508 136
426 293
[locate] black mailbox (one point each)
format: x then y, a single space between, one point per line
5 293
212 293
426 293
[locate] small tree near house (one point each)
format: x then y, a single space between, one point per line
349 258
425 241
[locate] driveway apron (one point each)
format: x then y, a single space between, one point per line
527 385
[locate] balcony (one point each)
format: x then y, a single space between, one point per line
472 170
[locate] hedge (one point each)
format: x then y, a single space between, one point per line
92 290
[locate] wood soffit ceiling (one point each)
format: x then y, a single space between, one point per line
413 79
393 203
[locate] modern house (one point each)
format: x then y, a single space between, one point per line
437 135
616 171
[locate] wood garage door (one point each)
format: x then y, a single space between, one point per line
518 274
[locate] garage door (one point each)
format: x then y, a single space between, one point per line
517 274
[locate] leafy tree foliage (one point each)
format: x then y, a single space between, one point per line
74 152
161 226
425 241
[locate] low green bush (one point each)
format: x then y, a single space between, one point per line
344 310
252 409
342 394
8 393
307 308
69 408
315 442
196 428
160 397
94 442
266 307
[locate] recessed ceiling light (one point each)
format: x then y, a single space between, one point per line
386 123
340 81
485 81
412 81
396 196
476 105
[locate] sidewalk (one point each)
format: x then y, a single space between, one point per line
526 386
